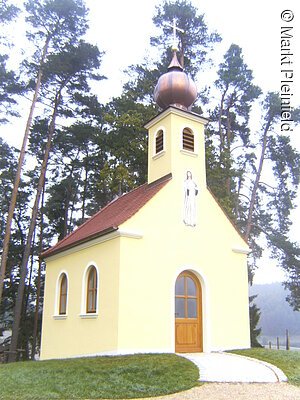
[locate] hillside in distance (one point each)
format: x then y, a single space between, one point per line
276 314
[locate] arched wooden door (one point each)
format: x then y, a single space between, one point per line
188 314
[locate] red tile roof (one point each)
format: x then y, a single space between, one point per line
110 217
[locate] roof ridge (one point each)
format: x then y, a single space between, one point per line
143 191
81 226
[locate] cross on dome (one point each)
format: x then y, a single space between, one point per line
175 28
175 88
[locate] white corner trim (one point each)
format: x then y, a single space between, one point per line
129 234
240 250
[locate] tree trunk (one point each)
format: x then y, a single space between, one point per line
228 153
222 141
14 194
257 180
27 292
23 270
38 284
85 186
66 205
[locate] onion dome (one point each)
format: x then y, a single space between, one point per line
175 88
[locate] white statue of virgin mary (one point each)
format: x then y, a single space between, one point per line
190 193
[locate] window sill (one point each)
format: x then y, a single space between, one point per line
62 316
158 155
88 316
189 153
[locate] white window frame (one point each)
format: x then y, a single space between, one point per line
83 313
57 315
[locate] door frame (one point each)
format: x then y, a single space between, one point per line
184 321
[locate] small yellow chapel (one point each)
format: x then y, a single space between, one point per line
160 269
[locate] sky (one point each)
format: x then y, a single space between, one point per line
122 29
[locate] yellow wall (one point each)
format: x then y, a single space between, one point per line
148 282
137 276
159 164
149 268
76 335
173 159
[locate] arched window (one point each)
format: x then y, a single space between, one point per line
92 282
63 294
159 141
188 140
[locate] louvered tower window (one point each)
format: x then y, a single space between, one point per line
188 140
159 141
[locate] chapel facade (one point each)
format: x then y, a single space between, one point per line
160 269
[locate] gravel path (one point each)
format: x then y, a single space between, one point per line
237 391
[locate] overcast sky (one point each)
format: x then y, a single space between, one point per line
123 28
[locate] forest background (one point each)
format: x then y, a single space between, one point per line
88 133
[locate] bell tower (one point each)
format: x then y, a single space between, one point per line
176 135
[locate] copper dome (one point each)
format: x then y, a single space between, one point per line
175 88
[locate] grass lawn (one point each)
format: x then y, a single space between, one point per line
287 361
142 375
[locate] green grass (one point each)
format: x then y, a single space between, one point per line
141 375
287 361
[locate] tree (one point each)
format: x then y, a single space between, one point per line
127 114
8 165
271 204
271 199
58 206
64 73
9 85
54 23
79 157
8 12
254 315
238 158
231 131
194 45
194 42
254 175
127 144
23 269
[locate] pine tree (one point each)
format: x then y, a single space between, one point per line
64 73
254 315
230 129
8 166
9 85
54 23
127 114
